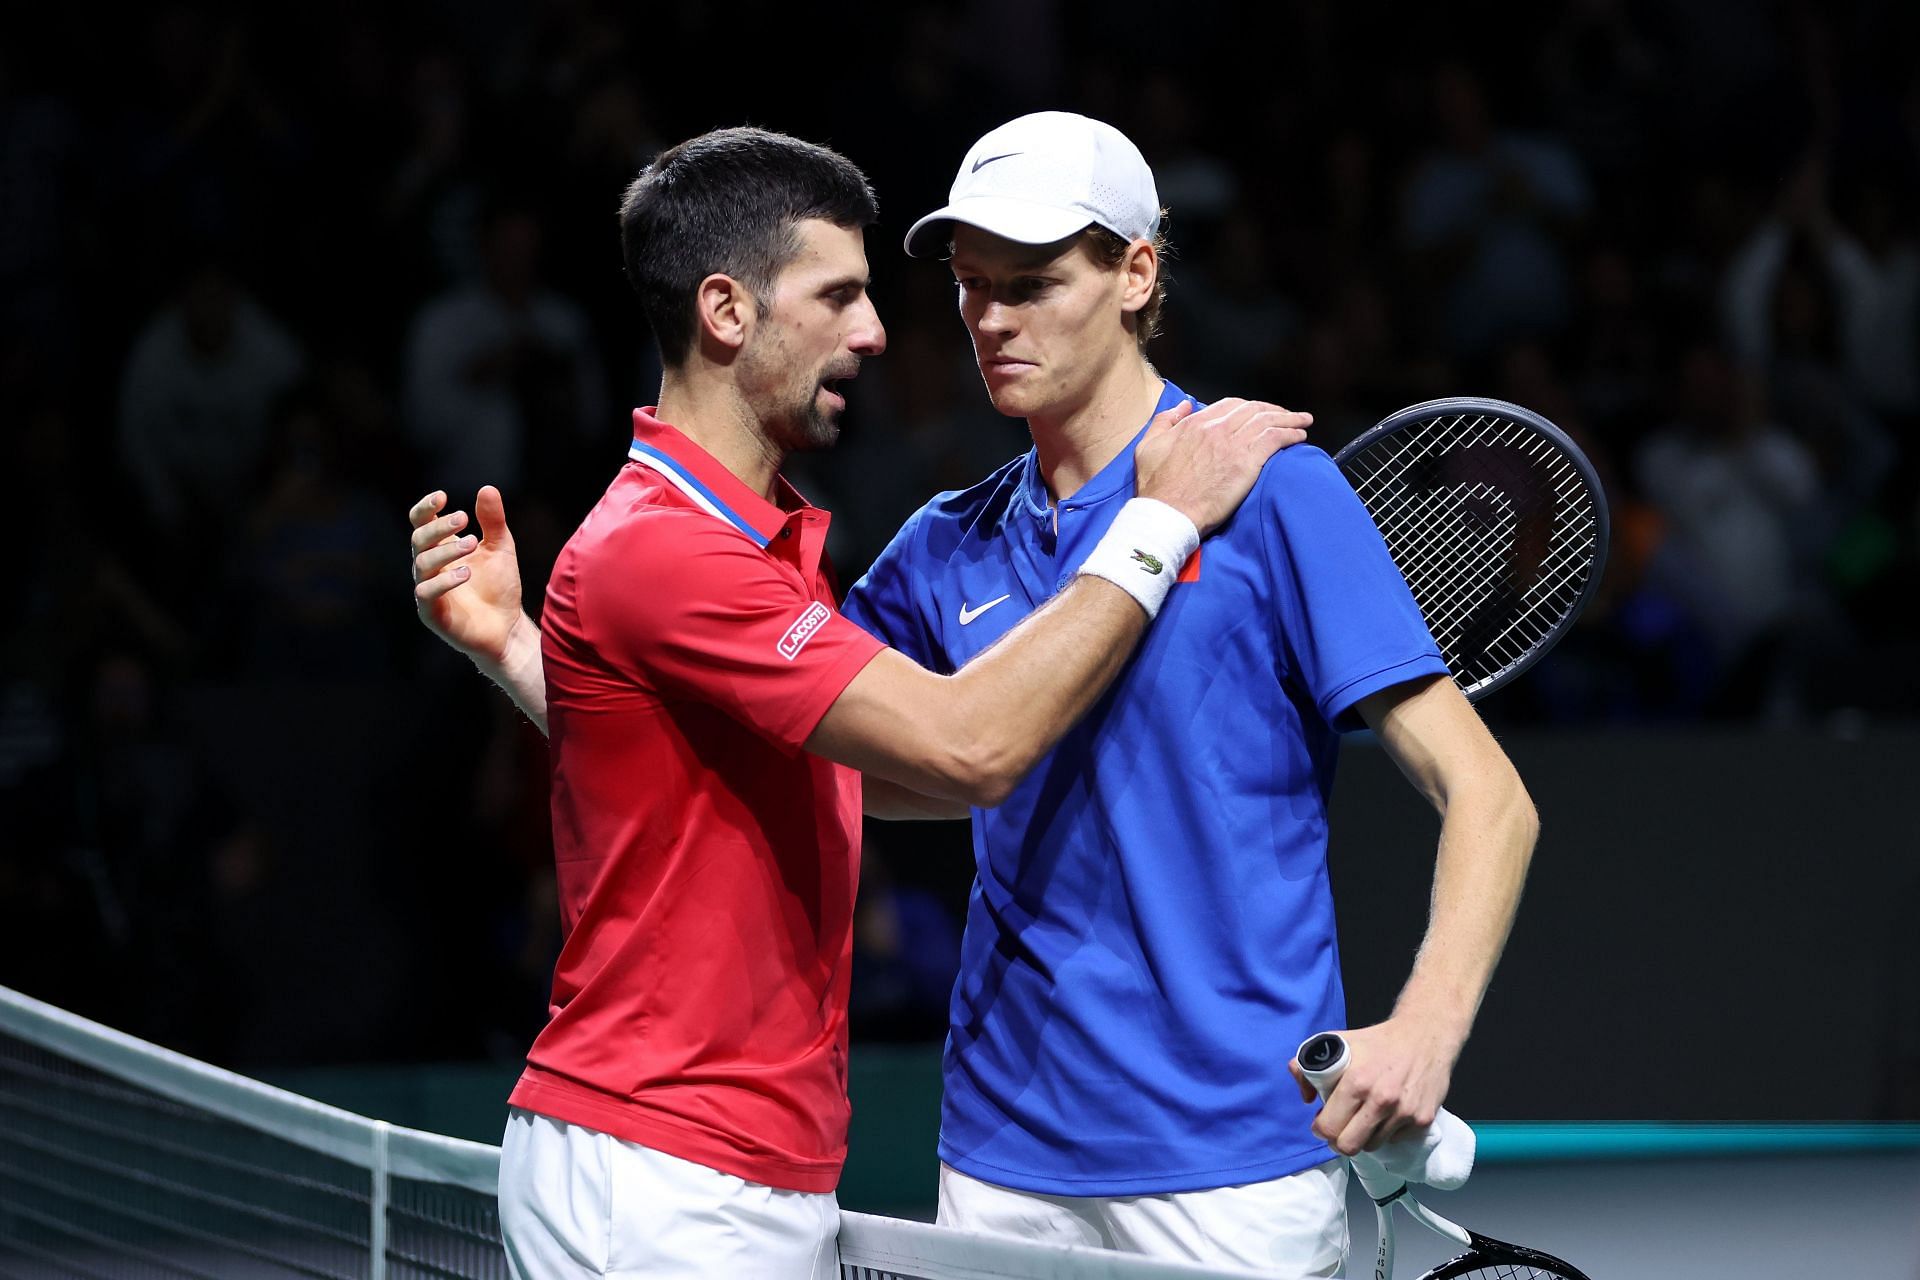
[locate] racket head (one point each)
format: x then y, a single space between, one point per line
1490 1259
1497 521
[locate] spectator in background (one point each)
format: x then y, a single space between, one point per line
1236 323
1874 277
40 152
492 363
1345 219
1615 364
1736 491
1876 267
202 143
1330 376
432 200
1601 76
611 137
906 952
1815 398
112 848
314 572
1699 237
1490 213
1191 178
196 400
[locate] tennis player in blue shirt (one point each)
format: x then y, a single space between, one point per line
1151 930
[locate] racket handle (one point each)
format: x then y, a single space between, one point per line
1440 1155
1323 1058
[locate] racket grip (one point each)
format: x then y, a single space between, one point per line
1323 1058
1441 1155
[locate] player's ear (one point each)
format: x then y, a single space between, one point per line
1140 271
724 313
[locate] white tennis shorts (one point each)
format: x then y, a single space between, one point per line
1295 1225
577 1202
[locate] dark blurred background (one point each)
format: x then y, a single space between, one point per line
270 273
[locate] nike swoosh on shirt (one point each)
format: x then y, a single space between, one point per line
968 615
984 161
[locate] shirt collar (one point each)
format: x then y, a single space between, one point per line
713 488
1116 478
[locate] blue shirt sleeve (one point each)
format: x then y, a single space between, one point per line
1343 616
886 601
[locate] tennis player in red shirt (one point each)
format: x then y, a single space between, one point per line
712 720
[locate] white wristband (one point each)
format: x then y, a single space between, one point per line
1143 551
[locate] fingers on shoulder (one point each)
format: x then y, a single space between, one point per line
1164 420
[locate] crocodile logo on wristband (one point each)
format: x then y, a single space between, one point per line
1150 563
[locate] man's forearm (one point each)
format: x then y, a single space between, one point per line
891 802
973 735
1487 831
1013 701
1402 1066
1486 842
969 737
521 672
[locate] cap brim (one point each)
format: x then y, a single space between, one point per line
1017 220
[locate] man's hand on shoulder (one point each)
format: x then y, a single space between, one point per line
1204 464
1396 1080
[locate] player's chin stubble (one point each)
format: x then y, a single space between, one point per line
806 427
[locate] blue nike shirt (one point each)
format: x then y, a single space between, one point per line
1150 933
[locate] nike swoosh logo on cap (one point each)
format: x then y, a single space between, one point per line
984 161
968 615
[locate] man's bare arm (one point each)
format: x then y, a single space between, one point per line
973 735
891 802
928 732
1402 1067
970 737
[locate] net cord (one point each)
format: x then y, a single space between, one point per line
404 1153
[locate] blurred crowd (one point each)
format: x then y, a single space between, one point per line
285 270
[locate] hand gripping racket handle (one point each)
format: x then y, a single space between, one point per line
1323 1059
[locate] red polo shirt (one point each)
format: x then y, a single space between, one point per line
707 864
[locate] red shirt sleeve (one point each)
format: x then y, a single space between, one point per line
691 608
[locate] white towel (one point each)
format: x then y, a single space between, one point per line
1439 1156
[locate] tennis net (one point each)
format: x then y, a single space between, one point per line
122 1159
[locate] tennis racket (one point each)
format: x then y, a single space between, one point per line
1497 522
1322 1059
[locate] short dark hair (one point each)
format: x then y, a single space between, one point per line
729 202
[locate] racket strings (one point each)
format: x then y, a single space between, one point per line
1509 1271
1493 527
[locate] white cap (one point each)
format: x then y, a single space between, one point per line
1041 178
